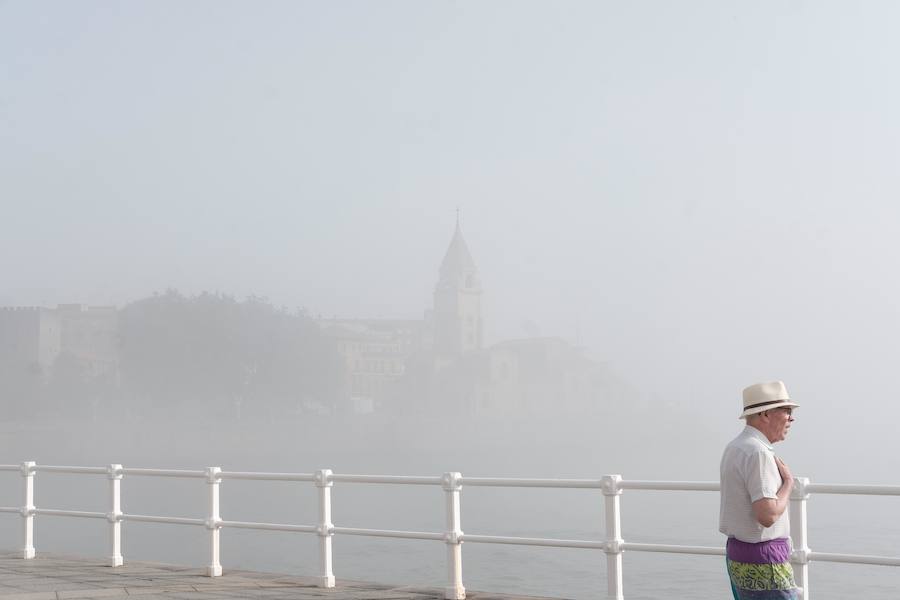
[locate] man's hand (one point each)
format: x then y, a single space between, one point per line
768 510
787 478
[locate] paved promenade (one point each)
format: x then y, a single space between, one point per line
60 577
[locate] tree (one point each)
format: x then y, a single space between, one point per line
221 355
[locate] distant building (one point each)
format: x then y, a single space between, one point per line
90 336
379 353
32 339
375 353
531 374
458 323
440 363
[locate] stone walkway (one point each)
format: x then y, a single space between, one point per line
61 577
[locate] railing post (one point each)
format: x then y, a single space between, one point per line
213 521
27 512
114 516
614 541
326 528
453 537
799 538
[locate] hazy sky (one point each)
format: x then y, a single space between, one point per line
705 191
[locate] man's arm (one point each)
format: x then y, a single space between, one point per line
768 510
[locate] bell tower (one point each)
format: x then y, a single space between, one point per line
458 327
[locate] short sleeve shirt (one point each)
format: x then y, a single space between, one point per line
748 473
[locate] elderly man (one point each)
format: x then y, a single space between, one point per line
755 487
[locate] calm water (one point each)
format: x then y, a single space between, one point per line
838 524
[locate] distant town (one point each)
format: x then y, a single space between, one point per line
214 354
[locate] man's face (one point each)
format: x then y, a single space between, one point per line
777 422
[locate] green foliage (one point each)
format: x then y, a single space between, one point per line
215 352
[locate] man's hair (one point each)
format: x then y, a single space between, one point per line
761 413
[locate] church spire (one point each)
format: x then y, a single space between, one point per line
457 300
458 261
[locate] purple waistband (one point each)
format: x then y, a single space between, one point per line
763 553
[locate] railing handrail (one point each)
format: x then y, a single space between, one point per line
611 486
195 474
853 488
625 484
69 469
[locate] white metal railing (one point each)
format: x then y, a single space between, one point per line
611 487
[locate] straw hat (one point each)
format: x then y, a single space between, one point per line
765 396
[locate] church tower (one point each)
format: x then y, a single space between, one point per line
457 302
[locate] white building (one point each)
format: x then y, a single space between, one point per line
30 340
33 338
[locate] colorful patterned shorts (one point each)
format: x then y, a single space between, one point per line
760 571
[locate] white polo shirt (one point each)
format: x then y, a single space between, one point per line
747 473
